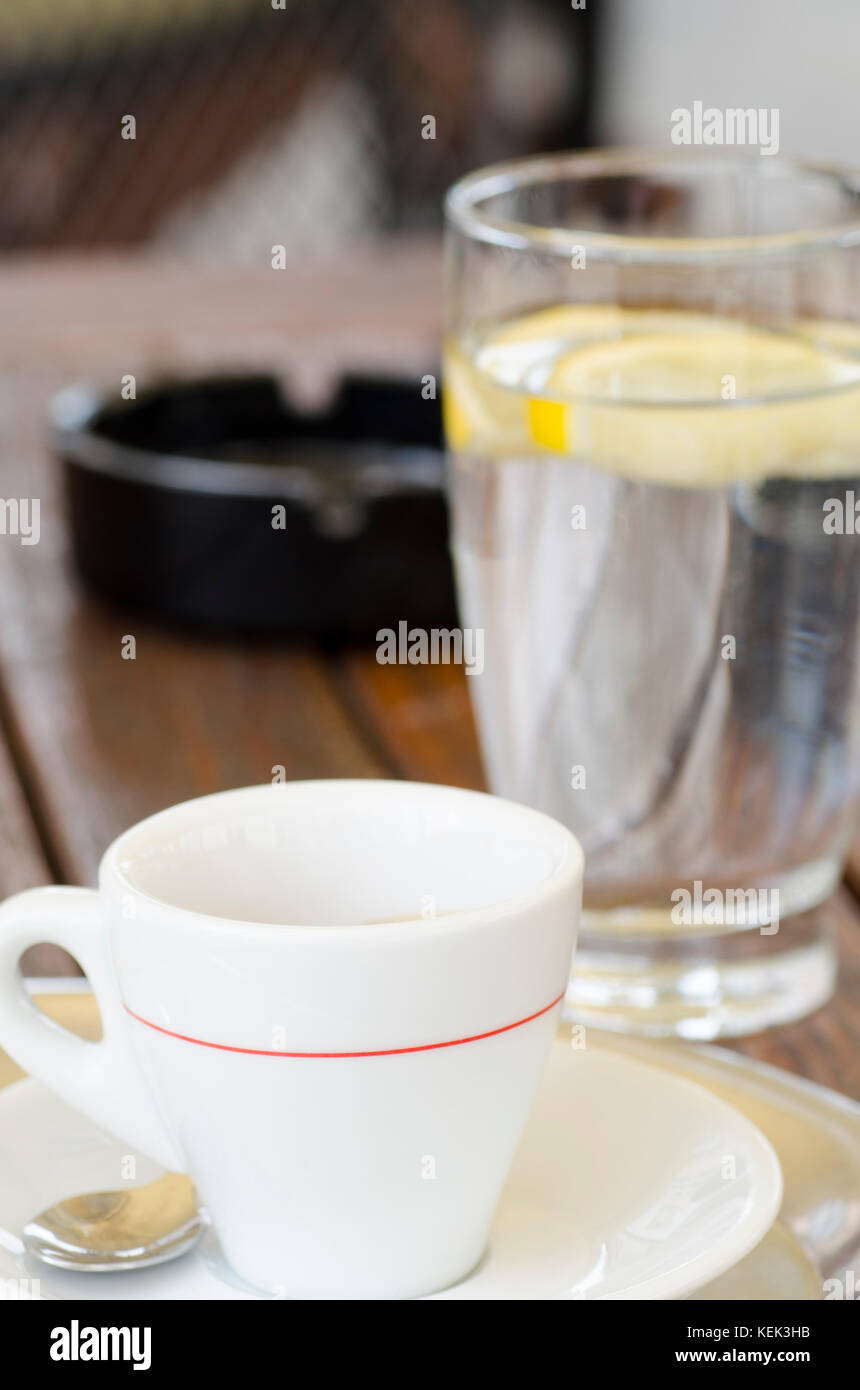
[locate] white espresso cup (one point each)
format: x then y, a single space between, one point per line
330 1003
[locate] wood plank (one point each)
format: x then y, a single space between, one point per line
824 1047
101 316
117 740
102 741
23 863
99 742
420 715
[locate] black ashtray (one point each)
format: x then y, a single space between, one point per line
219 504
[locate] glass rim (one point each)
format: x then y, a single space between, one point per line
462 206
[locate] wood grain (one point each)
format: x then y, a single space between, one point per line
90 742
100 741
417 717
23 863
421 716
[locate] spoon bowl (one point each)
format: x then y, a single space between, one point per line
106 1231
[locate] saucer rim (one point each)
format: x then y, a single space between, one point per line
766 1184
670 1286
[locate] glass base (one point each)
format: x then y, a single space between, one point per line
713 986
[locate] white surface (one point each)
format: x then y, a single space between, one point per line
618 1191
326 1175
798 57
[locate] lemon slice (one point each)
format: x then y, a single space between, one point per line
585 322
478 412
674 368
669 397
735 404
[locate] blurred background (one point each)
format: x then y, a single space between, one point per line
301 122
298 124
331 128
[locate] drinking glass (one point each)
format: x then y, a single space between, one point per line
652 402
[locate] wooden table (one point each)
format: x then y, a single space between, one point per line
90 742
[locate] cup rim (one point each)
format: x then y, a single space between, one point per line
566 873
463 212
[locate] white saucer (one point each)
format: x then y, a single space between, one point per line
629 1184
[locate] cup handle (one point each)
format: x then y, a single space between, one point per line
102 1079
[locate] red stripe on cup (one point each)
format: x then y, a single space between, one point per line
379 1052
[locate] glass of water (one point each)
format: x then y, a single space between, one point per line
652 401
